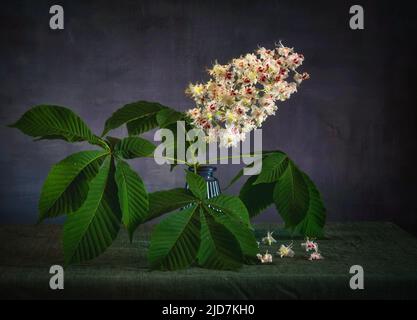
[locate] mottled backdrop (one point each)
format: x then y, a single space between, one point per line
352 127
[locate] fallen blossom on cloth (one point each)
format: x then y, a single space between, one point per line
310 245
265 258
269 239
315 256
286 251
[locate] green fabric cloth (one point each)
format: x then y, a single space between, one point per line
387 254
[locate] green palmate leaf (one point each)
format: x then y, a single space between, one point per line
161 202
294 194
315 218
54 122
67 184
256 197
273 166
134 147
175 241
141 125
162 118
133 197
243 234
219 248
131 112
94 226
291 196
168 116
228 240
231 206
197 185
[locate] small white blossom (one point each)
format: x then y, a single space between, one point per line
229 137
265 258
286 251
269 239
284 51
300 77
315 256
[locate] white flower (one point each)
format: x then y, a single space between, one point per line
270 109
239 63
230 117
269 239
268 104
315 256
212 135
310 245
258 115
196 90
264 53
218 71
300 77
251 58
229 137
227 99
248 126
194 113
284 51
212 107
286 251
265 258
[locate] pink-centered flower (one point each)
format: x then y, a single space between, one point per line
315 256
310 245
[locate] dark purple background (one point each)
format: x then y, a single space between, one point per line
352 127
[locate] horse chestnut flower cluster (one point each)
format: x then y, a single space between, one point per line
240 95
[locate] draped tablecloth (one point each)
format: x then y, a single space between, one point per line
387 254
